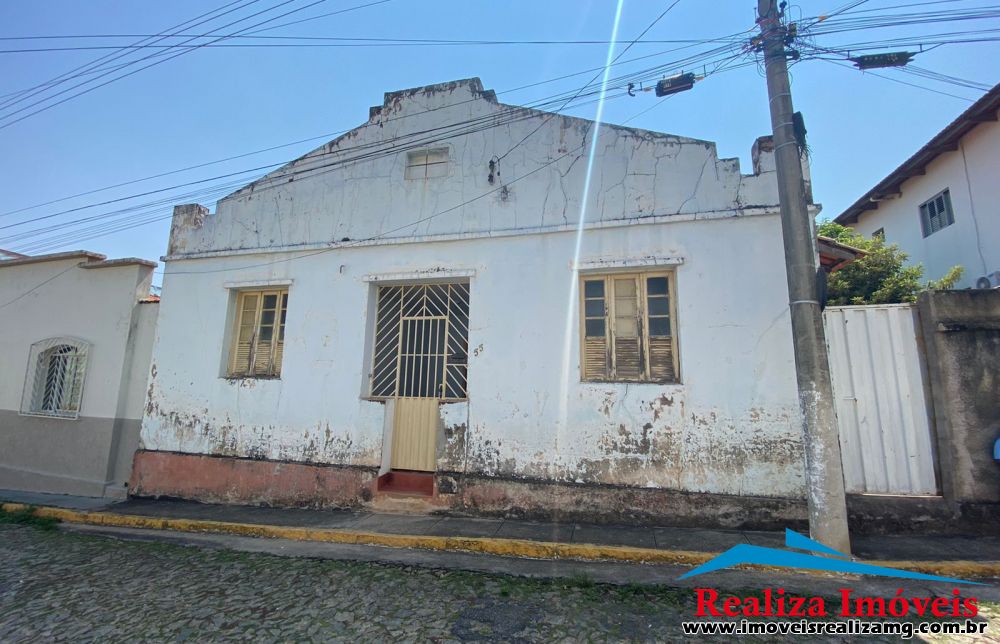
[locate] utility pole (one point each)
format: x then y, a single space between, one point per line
824 469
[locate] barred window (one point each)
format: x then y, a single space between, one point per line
421 342
54 382
259 337
936 213
628 328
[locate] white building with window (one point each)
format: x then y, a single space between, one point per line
76 336
940 205
496 309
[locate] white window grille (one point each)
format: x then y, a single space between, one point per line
54 382
427 164
936 213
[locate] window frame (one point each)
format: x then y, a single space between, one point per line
456 365
926 227
421 171
277 333
33 378
641 278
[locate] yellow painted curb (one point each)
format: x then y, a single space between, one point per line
485 545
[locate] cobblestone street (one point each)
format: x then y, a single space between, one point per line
57 586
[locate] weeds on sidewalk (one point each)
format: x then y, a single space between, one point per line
26 516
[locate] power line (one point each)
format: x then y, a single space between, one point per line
399 228
413 223
107 73
107 69
170 172
35 288
322 15
311 171
181 53
896 80
599 73
113 227
446 127
103 60
473 127
335 41
339 132
153 64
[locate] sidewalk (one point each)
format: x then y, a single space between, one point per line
946 555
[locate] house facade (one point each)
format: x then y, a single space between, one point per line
508 311
940 205
76 335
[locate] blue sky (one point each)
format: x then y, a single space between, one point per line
219 102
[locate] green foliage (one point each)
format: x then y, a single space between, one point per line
881 276
26 516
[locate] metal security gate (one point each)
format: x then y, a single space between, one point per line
420 357
882 408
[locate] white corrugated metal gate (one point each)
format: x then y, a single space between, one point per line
881 400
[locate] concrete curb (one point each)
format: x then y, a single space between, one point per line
486 545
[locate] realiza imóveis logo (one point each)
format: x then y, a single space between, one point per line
834 562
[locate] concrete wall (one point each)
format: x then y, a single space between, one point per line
654 200
962 336
88 455
354 187
971 175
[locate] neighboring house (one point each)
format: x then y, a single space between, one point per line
9 254
417 306
76 336
940 205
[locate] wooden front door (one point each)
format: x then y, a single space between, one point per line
419 360
421 368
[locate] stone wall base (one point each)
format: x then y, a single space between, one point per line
590 503
888 514
220 479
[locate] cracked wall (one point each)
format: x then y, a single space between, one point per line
728 428
656 199
349 189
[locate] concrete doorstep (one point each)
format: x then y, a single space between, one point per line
960 557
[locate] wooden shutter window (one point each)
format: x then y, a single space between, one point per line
627 328
245 328
259 337
661 342
625 332
596 362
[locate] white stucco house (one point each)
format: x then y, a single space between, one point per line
940 205
76 337
503 310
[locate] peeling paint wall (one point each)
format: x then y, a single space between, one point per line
729 428
637 174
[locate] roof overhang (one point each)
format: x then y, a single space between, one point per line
947 140
89 260
84 255
834 255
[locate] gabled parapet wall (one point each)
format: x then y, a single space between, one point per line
354 189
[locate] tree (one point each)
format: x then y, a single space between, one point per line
881 275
